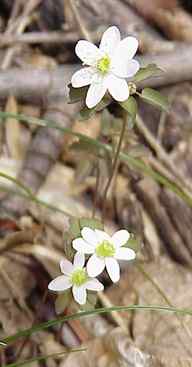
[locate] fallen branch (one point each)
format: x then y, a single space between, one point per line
177 67
38 37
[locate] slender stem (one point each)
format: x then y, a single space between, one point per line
97 311
19 184
28 194
135 163
115 164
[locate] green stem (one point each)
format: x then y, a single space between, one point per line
115 164
135 163
17 183
28 194
51 323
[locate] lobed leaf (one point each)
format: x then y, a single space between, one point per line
155 98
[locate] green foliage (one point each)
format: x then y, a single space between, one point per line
130 105
75 227
91 223
77 94
86 113
147 72
155 98
134 243
97 311
134 163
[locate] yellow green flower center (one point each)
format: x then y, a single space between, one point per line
79 277
104 64
105 249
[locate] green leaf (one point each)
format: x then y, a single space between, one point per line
77 94
130 105
147 72
134 243
74 228
86 113
91 223
106 100
155 98
75 231
68 236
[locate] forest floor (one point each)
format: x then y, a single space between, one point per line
47 176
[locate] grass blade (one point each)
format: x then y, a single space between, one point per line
135 163
97 311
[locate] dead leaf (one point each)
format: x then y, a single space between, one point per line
114 349
159 334
16 283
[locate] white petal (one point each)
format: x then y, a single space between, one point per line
126 48
121 64
95 92
60 284
82 246
102 235
94 285
89 236
113 269
79 294
95 266
120 238
66 266
126 68
124 253
110 39
82 77
79 260
88 52
118 88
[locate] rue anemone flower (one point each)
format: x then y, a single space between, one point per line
106 67
105 251
75 276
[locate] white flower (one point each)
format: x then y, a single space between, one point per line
75 276
107 66
105 251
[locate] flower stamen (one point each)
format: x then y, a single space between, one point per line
103 64
79 277
105 249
